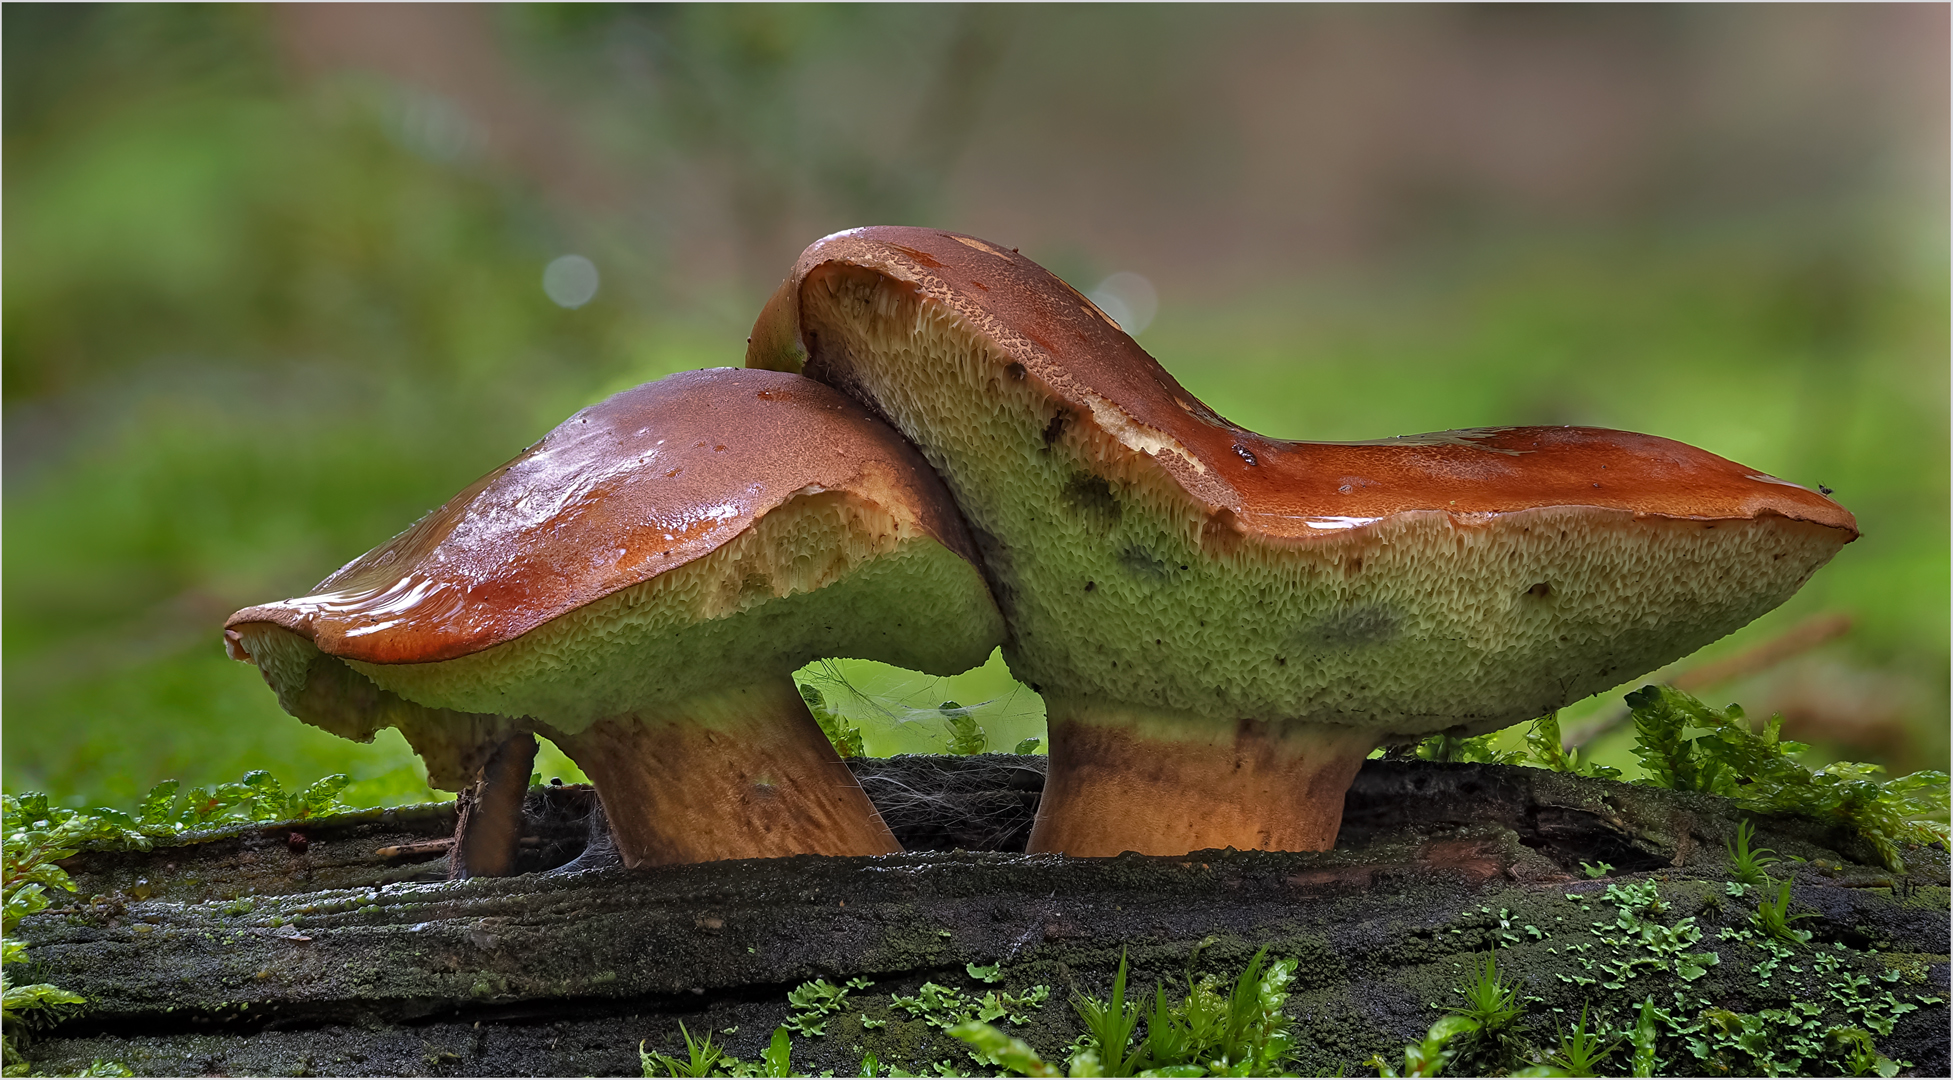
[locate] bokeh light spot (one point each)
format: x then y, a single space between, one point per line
1129 299
570 281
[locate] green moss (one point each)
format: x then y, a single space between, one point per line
845 736
1242 1031
1688 746
1653 978
1480 749
1928 897
38 836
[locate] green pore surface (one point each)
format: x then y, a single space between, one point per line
1405 627
921 606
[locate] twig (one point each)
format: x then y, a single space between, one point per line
437 847
424 847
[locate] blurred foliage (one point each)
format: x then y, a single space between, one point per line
773 98
248 335
255 322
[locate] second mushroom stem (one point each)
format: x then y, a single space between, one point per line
489 828
739 773
1161 783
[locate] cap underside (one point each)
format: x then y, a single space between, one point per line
1118 585
324 692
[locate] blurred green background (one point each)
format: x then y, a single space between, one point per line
274 286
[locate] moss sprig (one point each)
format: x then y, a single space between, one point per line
1689 746
1545 745
1476 750
1213 1030
703 1058
846 737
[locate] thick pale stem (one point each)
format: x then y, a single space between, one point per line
489 830
1164 783
743 773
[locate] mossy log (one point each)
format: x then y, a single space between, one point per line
335 946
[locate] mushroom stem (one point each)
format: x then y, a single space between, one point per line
1161 782
740 773
489 828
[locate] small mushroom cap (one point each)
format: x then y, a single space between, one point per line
625 490
1147 551
667 541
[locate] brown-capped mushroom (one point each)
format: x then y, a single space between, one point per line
639 586
1224 625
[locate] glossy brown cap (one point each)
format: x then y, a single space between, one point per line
1045 332
639 484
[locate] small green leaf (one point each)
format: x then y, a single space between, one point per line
776 1058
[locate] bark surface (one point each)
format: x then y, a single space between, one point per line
338 947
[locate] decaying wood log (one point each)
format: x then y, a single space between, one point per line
338 946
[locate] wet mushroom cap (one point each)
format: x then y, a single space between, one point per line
1222 625
663 543
1146 551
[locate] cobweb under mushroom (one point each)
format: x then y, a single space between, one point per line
964 798
975 802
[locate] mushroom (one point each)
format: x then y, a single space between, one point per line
639 587
1224 625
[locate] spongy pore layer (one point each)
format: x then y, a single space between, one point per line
828 574
1119 587
324 692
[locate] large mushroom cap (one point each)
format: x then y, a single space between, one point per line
686 540
1093 372
1148 554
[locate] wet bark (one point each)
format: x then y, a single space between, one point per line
337 946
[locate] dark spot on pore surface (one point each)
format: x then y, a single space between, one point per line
1359 626
1016 373
1091 498
1540 590
1140 562
1055 428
